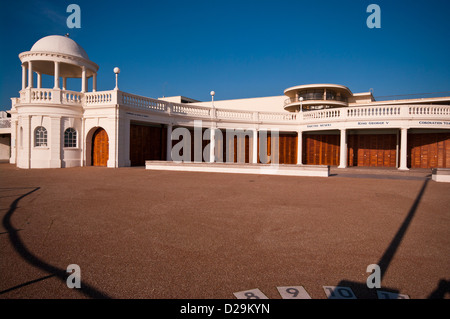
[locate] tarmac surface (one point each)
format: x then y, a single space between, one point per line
137 233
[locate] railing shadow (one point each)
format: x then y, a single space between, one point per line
33 260
360 289
442 289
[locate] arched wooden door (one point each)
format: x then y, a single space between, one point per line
100 148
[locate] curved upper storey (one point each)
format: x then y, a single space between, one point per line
316 97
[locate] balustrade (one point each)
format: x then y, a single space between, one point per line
38 95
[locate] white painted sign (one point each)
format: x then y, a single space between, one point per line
250 294
293 292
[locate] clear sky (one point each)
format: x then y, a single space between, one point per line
240 49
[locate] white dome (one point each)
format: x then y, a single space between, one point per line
59 44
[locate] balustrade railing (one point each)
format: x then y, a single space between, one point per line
322 114
273 116
41 95
71 97
429 110
375 111
190 110
38 95
142 102
234 114
103 97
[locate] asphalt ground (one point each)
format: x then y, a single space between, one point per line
139 233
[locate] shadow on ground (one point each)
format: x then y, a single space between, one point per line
31 259
362 291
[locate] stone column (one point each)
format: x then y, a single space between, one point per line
26 139
24 76
14 141
83 80
299 147
39 80
403 149
255 146
343 148
56 76
82 141
54 141
212 145
30 74
94 83
64 83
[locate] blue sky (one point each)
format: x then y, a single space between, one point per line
240 49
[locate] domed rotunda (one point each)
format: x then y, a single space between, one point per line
47 122
60 57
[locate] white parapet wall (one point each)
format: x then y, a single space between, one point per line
263 169
441 175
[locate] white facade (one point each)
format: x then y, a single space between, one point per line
43 120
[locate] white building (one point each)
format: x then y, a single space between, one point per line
322 124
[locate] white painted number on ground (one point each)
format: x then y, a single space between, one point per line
339 292
390 295
293 292
250 294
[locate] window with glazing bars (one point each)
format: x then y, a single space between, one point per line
40 136
70 137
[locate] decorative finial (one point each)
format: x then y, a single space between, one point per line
67 35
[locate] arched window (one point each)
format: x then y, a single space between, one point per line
40 136
70 137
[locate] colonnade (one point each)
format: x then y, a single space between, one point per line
28 79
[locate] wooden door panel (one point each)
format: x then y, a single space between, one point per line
372 150
147 143
429 150
100 148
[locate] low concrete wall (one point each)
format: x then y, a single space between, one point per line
441 175
265 169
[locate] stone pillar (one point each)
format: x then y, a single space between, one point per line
64 83
39 80
112 139
14 141
212 145
30 74
82 141
403 149
343 148
255 146
299 147
94 83
56 86
24 76
83 80
54 141
25 139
